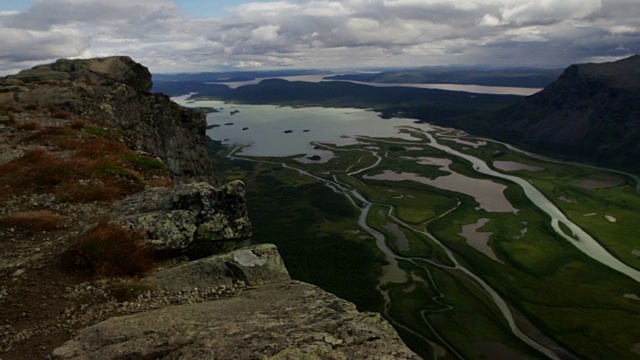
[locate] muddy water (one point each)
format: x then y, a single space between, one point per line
479 240
513 166
488 194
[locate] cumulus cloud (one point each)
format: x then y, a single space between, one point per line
325 33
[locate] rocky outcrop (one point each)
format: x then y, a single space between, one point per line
592 112
289 320
253 266
114 91
196 219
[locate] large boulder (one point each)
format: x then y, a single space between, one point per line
196 219
277 322
253 266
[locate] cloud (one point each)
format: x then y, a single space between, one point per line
25 45
265 33
325 33
45 14
549 11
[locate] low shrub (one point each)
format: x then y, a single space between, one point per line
33 221
108 249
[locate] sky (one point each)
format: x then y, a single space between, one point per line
214 35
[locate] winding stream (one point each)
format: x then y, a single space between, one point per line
579 238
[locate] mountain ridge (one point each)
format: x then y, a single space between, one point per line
590 113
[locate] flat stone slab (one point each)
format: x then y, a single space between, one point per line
289 320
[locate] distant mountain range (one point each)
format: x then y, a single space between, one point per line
232 76
591 112
519 77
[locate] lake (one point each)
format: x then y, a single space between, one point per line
261 128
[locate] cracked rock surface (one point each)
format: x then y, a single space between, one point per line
287 320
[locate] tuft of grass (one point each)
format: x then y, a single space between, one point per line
108 249
127 290
78 124
95 169
30 126
74 179
37 169
102 132
61 114
60 137
101 148
87 191
144 163
164 181
8 121
33 221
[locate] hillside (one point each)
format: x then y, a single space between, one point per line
590 113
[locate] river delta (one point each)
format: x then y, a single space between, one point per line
476 249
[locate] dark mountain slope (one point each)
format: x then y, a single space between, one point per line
591 113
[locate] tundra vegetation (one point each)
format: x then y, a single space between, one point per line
585 307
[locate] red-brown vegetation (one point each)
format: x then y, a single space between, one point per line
61 114
29 126
108 249
78 124
33 221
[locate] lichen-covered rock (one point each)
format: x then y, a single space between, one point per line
277 321
197 219
255 265
113 93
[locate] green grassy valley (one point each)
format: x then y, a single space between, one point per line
444 251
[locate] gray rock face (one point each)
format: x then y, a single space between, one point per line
278 321
255 265
197 219
114 91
